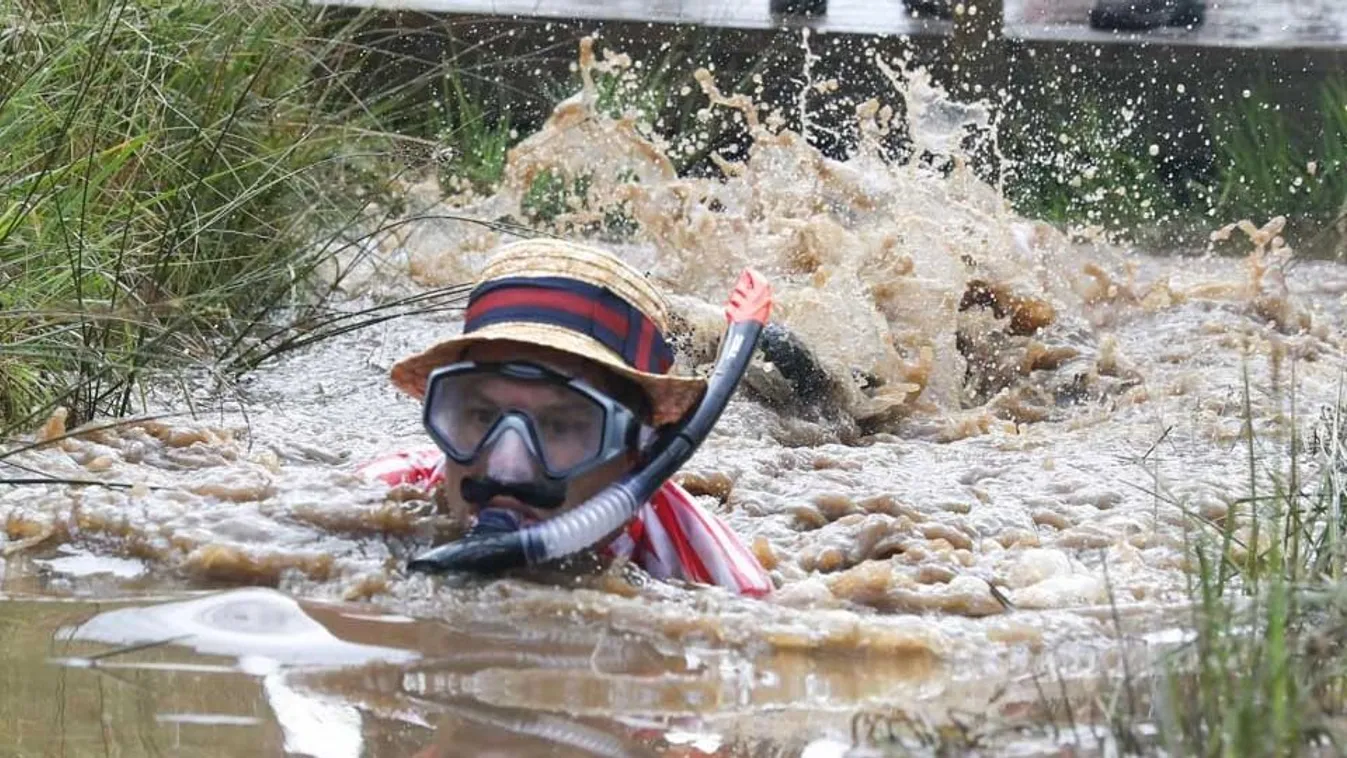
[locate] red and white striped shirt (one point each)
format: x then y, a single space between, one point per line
671 537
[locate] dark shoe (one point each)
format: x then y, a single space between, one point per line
1136 15
936 8
799 7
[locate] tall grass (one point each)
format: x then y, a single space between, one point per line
172 174
1265 672
1092 167
475 141
1079 158
1273 162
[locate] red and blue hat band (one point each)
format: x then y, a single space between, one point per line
578 306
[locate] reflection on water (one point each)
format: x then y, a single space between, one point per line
262 628
253 672
264 631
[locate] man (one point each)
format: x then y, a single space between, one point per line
562 372
1131 15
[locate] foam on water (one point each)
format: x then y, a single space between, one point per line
1020 421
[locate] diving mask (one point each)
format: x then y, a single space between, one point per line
568 426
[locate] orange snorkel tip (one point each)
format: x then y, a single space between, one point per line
751 299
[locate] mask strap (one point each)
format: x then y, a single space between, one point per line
645 436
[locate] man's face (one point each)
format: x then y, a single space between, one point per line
509 458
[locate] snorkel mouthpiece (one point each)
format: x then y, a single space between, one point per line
749 307
496 521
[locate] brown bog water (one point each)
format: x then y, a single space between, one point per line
1040 424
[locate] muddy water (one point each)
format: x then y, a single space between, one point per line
1004 492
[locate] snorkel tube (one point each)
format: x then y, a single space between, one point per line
489 550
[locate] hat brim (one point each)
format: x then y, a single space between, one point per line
670 396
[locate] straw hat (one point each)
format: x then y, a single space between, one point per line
670 396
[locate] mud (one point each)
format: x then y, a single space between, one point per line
1019 430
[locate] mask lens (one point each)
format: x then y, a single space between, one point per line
459 414
571 431
568 425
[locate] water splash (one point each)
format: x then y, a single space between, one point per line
1013 409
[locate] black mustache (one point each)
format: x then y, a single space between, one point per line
545 495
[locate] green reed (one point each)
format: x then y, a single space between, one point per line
1085 165
1088 162
1263 668
476 141
1265 671
1272 161
174 172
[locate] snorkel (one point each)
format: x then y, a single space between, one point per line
491 550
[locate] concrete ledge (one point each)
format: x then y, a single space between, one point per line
515 61
885 18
